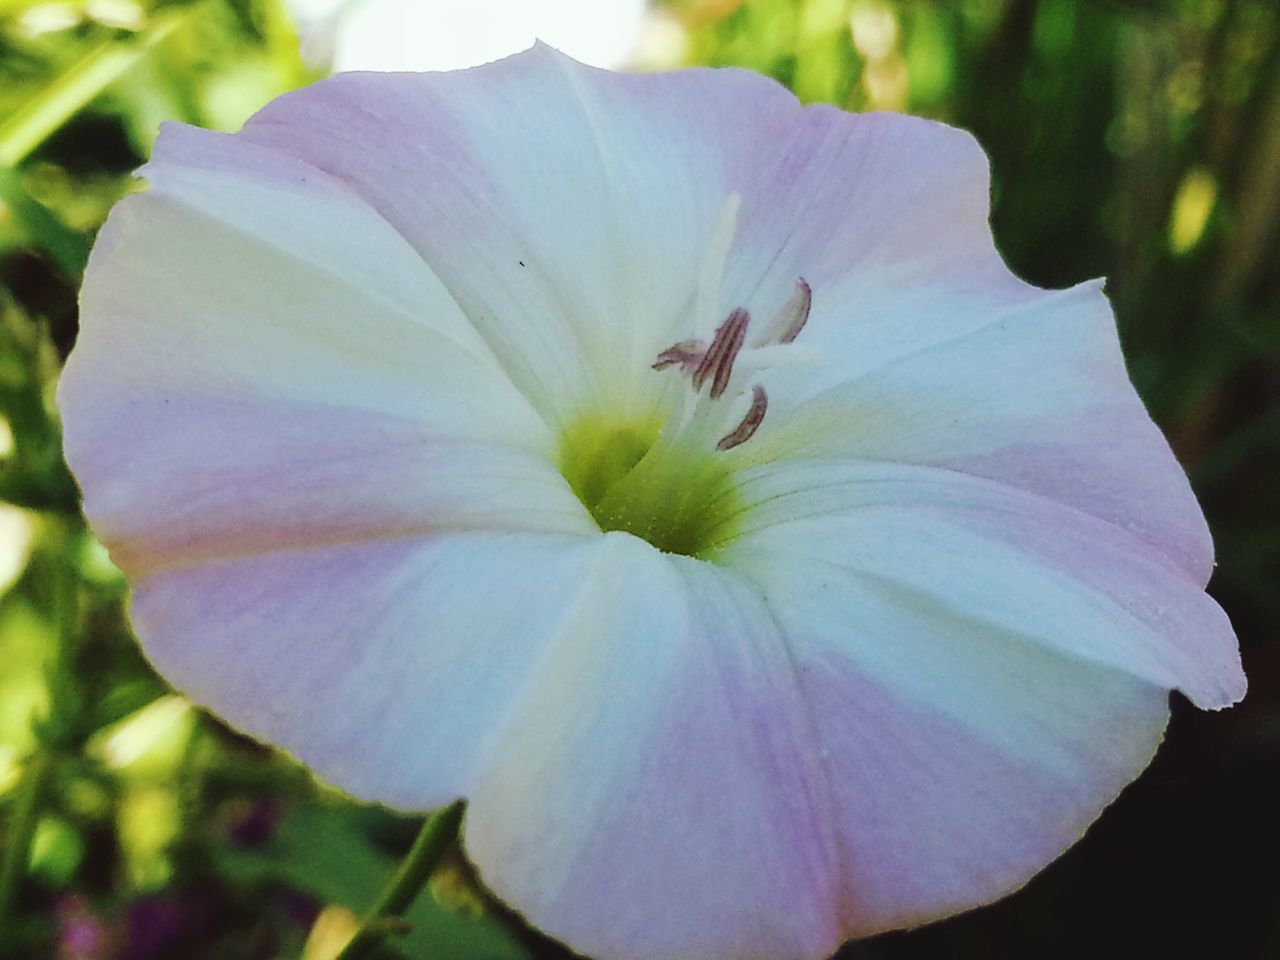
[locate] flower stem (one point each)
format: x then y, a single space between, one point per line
22 827
433 840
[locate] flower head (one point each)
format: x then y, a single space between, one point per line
676 473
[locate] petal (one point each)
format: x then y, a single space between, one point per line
885 217
626 725
987 670
931 350
385 666
567 209
655 792
263 362
1023 565
1037 399
962 759
577 289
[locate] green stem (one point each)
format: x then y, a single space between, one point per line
22 828
434 839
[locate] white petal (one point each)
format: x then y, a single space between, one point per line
263 362
569 210
1022 565
655 793
986 670
935 352
962 758
387 667
885 218
1037 398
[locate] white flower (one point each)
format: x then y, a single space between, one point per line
359 388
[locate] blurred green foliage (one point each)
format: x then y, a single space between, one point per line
1135 140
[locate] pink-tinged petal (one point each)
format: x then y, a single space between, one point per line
285 208
933 351
209 478
1023 565
655 792
571 211
567 209
988 670
263 362
885 218
1036 399
387 667
627 726
963 760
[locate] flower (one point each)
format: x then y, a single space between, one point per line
676 473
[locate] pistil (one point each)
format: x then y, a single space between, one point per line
750 423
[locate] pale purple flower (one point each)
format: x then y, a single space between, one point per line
358 387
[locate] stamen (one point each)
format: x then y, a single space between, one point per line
786 326
750 423
695 419
717 362
687 353
797 310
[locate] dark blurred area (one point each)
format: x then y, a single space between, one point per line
1133 139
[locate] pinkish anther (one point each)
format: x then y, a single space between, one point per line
687 353
796 311
750 423
737 336
717 362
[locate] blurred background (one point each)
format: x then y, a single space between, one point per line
1133 139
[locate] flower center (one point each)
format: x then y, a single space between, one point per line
670 482
629 478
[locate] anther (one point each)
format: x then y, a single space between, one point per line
687 353
745 430
717 362
797 311
790 320
713 363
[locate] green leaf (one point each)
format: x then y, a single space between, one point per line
64 246
33 122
